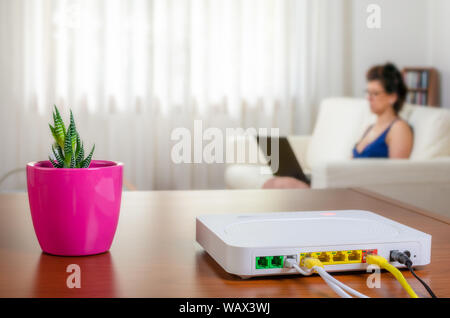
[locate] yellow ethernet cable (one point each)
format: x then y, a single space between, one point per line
310 262
383 263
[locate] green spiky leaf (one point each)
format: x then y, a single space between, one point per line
78 149
54 164
73 132
68 147
60 152
57 156
87 161
60 129
80 156
72 162
52 129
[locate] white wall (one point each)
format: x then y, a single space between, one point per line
402 38
412 33
439 54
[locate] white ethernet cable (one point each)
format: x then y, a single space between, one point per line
324 274
338 290
334 287
334 284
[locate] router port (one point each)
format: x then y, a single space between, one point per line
292 258
262 262
354 256
339 257
276 262
303 256
324 257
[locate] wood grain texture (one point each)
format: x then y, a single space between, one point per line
438 216
154 253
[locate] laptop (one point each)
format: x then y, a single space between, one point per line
288 166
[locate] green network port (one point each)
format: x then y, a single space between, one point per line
262 262
276 262
265 262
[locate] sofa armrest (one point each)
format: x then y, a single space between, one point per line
362 172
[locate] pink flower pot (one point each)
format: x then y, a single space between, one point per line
75 211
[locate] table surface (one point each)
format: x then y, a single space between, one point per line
154 253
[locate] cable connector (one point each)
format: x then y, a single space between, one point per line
315 265
404 258
383 263
290 262
310 262
401 257
376 260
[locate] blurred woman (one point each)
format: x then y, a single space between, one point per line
390 136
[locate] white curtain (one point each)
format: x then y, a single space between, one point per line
133 70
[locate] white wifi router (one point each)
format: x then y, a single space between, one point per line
258 244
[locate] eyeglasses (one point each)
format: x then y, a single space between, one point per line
373 93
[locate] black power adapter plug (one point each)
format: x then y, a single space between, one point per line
404 258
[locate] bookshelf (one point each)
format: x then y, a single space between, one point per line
423 85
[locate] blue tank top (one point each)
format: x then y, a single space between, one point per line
377 148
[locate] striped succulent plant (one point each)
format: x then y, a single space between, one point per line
68 149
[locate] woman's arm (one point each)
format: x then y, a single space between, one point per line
400 140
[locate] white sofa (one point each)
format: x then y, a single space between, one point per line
327 154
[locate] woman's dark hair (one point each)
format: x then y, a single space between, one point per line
392 81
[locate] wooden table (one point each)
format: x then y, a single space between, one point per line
154 253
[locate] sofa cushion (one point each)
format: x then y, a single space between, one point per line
340 124
431 132
342 121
